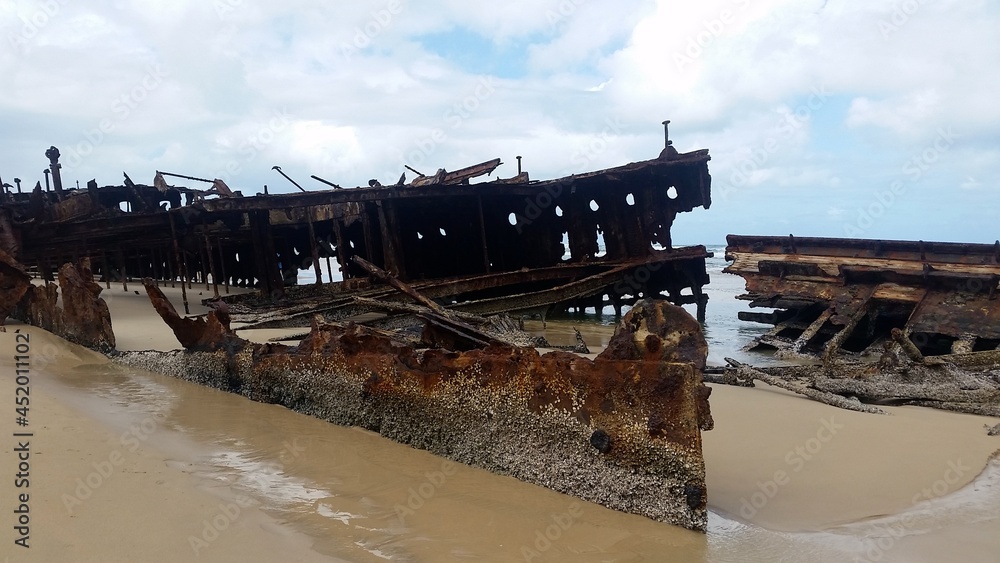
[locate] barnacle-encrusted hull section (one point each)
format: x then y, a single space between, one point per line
619 430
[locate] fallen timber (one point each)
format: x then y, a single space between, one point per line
622 430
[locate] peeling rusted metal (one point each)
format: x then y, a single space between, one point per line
623 429
79 315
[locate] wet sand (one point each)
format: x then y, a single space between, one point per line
789 479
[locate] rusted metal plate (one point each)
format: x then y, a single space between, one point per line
623 430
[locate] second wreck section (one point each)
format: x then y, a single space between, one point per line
834 296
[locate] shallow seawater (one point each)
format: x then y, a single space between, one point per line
725 333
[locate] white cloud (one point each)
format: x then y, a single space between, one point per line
364 96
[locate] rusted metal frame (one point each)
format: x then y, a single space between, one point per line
573 218
203 266
437 315
95 199
141 203
121 263
107 270
187 271
474 171
577 289
313 248
341 249
222 263
391 243
181 265
172 267
392 280
464 284
265 255
465 340
284 201
668 223
211 265
482 234
615 232
366 227
138 264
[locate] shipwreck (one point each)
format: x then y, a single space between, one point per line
845 296
415 341
891 322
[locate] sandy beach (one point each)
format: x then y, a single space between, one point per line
131 466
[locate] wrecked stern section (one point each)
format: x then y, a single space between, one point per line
621 430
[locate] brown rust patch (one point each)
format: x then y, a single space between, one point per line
83 317
507 408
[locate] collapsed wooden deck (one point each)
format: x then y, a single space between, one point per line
845 296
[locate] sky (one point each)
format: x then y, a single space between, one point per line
874 119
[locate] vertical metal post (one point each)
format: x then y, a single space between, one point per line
482 228
222 262
211 265
182 265
121 262
54 166
312 248
107 271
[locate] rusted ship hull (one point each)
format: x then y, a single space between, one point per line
844 296
622 430
432 229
